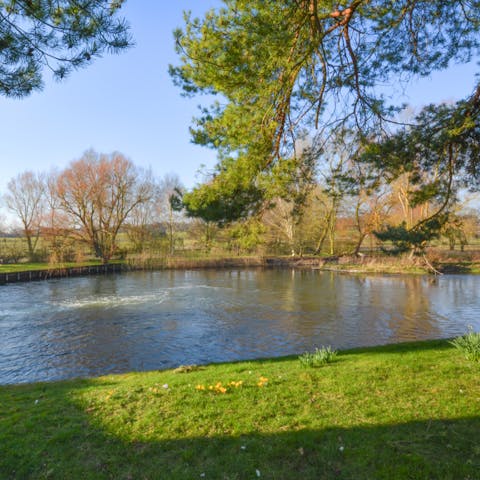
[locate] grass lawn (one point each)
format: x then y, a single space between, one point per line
410 411
26 267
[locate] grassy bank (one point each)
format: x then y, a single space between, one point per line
406 411
30 267
442 261
436 261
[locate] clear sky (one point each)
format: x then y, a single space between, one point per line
128 103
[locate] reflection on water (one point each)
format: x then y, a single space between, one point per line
142 321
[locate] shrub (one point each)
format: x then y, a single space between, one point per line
319 357
469 345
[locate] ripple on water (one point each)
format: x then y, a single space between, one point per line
111 301
92 326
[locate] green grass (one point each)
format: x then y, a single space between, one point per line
26 267
401 412
469 345
319 357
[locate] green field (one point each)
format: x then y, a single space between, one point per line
400 412
26 267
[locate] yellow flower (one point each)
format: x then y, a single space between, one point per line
109 395
219 388
262 381
200 387
235 384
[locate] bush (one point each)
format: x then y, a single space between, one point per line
469 345
319 357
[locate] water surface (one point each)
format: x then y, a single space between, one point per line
63 328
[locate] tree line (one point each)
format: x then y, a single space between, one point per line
104 205
285 71
306 139
88 203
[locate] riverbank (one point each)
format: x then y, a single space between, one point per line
437 263
395 412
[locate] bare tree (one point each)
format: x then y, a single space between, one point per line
98 192
333 164
25 198
282 222
2 223
143 217
56 228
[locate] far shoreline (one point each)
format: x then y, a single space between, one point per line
347 264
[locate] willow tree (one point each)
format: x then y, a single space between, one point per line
40 35
280 68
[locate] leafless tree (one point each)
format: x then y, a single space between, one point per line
143 217
98 192
25 199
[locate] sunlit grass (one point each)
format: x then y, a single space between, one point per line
407 411
26 267
319 357
469 345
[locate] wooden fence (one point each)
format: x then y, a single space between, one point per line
31 275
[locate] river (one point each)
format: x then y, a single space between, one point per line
89 326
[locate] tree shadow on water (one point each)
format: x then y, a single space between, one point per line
45 433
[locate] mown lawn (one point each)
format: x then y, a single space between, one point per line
410 411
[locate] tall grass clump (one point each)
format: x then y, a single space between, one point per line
469 345
319 357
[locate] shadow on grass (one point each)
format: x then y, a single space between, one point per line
394 348
404 347
44 433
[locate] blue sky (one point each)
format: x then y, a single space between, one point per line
128 103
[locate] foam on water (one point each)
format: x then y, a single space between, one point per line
112 301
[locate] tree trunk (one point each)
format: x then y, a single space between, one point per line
361 238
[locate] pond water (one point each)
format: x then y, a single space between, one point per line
96 325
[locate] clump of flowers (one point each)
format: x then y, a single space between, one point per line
219 387
236 384
262 381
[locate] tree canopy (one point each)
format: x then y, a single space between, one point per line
59 36
279 69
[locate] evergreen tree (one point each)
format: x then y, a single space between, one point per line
59 36
280 68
